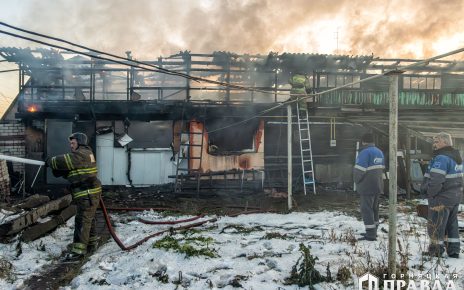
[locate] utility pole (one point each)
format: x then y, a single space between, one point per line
289 156
408 164
393 149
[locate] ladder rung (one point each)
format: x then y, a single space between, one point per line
188 158
186 169
305 139
305 149
309 182
307 160
308 171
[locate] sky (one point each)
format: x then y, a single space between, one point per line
152 28
256 250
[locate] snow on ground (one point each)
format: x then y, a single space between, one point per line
6 216
256 251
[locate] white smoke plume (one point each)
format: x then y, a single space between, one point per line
150 28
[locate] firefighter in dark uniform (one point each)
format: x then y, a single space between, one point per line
368 177
443 185
80 169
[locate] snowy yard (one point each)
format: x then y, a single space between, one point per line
255 251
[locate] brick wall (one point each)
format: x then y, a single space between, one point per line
12 141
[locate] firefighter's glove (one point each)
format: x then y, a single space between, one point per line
47 161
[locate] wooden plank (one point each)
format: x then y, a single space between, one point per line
31 217
33 201
41 229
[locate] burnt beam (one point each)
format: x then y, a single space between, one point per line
16 225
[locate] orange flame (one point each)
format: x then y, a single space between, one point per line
32 108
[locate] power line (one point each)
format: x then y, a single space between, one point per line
158 69
94 50
162 70
456 51
8 70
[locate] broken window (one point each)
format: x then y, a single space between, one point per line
153 134
421 83
233 139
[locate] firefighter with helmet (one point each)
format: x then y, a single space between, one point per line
79 167
300 87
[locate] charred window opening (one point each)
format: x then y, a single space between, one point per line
154 134
232 140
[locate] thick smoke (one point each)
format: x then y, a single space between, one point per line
405 28
150 28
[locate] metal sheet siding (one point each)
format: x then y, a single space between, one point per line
148 167
105 158
151 167
120 166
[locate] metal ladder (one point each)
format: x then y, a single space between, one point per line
307 166
189 148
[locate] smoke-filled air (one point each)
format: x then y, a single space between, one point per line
152 28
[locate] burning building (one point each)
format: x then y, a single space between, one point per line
210 121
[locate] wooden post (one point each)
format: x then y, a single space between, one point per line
393 148
356 158
289 156
408 164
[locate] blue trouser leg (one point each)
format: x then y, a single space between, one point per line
370 214
453 245
438 218
376 212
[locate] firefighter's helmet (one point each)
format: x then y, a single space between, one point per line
81 138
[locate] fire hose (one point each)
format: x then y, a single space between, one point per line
107 218
25 161
127 248
170 230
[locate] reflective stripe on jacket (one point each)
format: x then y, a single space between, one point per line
81 170
443 181
368 171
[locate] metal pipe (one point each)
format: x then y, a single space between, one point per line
21 160
37 174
